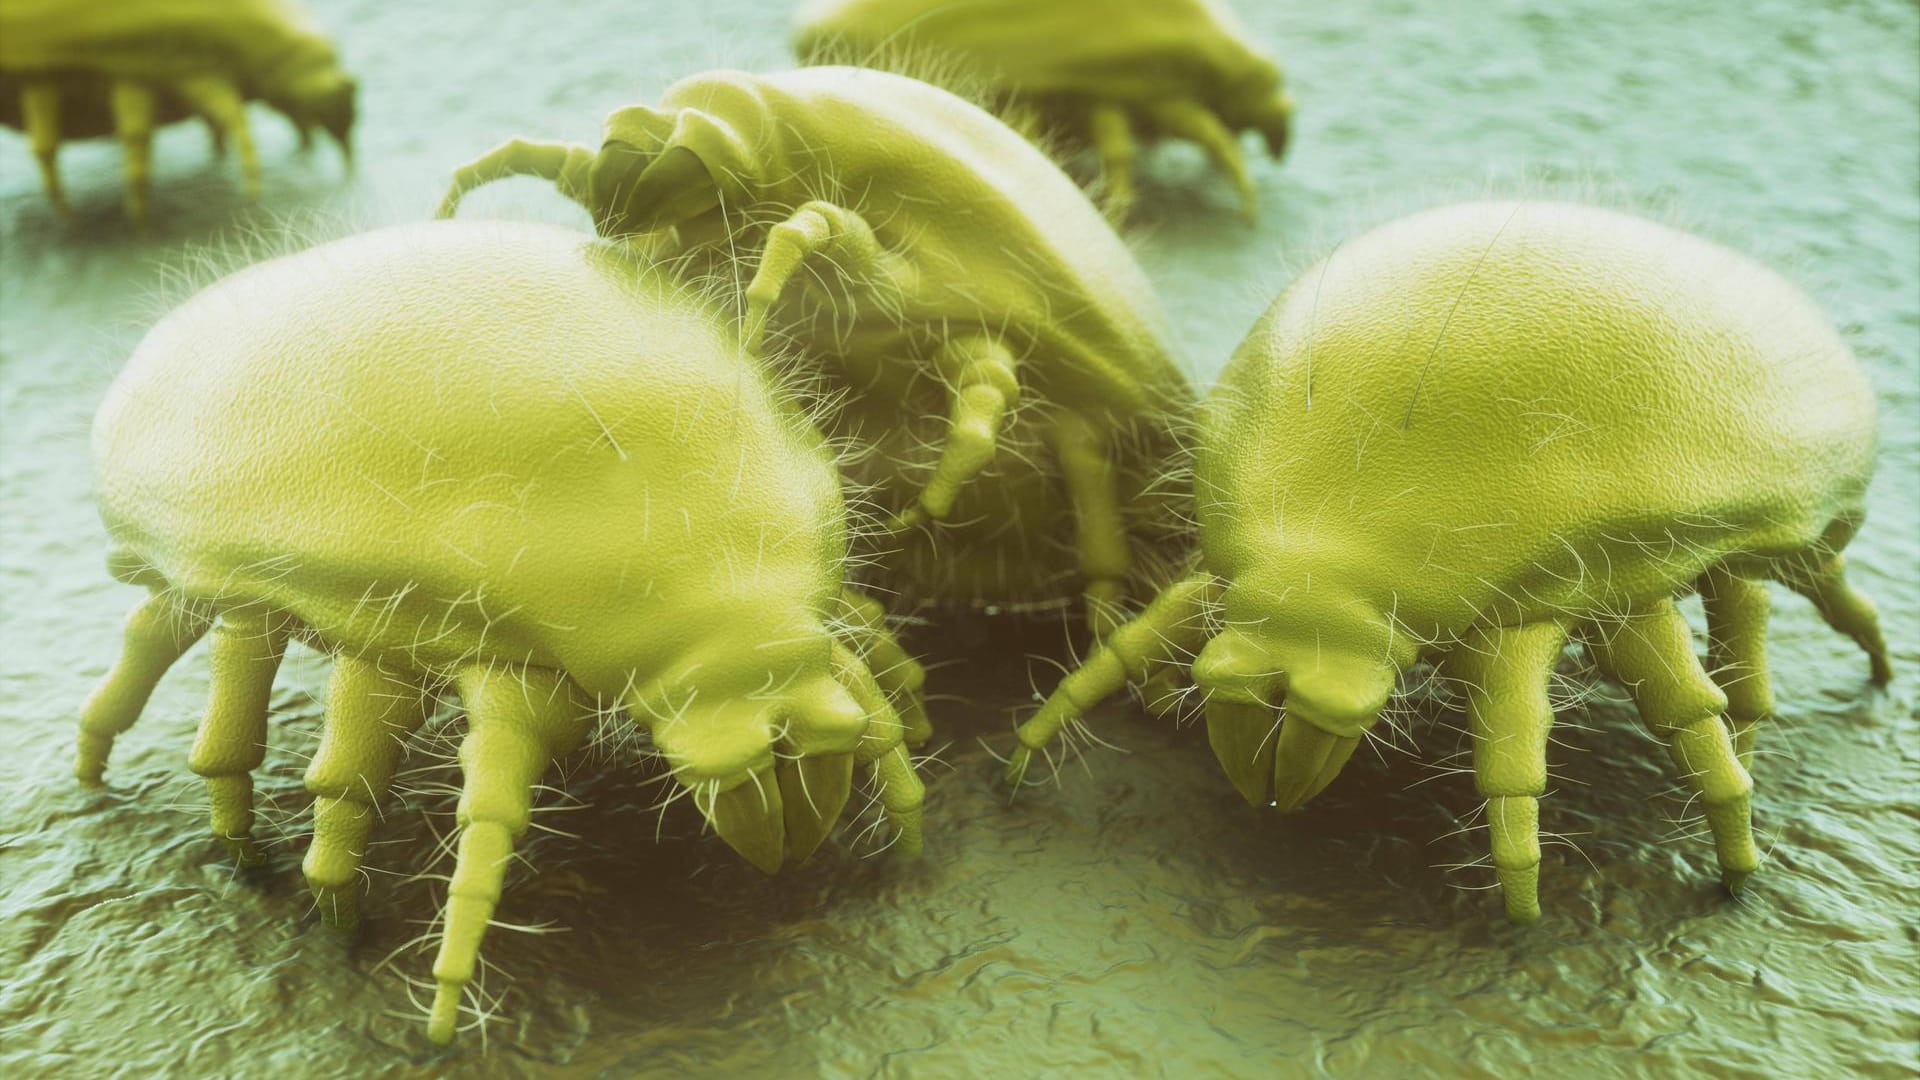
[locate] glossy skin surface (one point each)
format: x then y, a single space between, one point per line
1471 433
71 70
508 462
1101 71
996 353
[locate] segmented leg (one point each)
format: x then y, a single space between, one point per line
519 721
220 102
1846 610
841 235
1171 625
1093 487
1191 120
245 653
980 378
565 164
1506 672
1112 136
899 675
40 112
370 712
1737 652
157 632
133 107
1652 656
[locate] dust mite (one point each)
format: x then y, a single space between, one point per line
1105 73
996 353
1474 432
83 70
512 463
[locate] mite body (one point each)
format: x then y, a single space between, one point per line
1102 72
72 70
509 463
1475 432
955 292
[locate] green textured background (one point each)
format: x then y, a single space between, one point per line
1139 920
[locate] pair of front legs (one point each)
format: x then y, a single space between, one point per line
1706 719
133 105
519 721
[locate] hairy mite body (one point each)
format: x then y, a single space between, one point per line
509 462
1474 432
73 70
1105 72
955 291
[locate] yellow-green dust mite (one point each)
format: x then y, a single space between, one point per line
1472 433
995 354
1107 73
510 463
74 69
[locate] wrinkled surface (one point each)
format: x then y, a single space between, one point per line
1139 919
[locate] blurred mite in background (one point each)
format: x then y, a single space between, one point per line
1100 73
74 69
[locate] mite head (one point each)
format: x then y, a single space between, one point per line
1292 683
761 729
660 167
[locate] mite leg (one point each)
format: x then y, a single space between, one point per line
1652 656
133 107
1846 610
40 113
563 164
898 674
1191 120
1093 487
1112 136
982 388
1172 624
883 750
220 102
245 653
519 721
157 633
1506 672
369 715
842 236
1737 652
